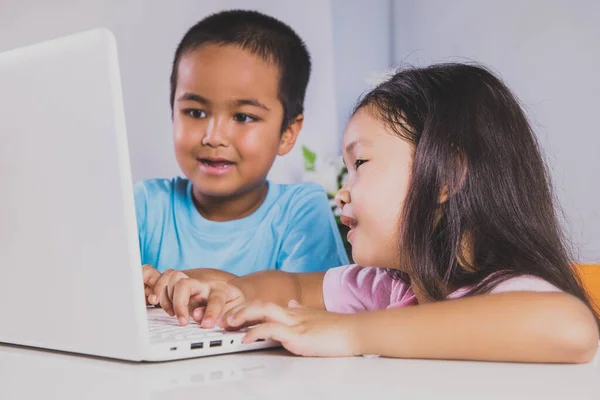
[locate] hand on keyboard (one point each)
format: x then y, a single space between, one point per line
163 328
206 301
155 283
151 278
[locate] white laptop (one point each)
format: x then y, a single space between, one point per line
69 254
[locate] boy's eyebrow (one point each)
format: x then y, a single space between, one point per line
251 102
241 102
194 97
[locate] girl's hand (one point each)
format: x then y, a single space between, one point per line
300 330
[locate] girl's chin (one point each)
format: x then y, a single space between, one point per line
366 260
360 259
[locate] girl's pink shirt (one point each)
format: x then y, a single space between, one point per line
352 288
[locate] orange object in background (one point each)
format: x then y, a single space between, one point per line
590 277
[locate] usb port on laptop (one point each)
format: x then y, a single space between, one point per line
216 343
196 346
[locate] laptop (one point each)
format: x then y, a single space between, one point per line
69 251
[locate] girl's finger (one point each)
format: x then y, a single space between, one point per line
268 312
269 330
235 310
223 322
295 304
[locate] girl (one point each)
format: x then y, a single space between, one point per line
450 209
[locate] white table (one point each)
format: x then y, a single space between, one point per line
275 374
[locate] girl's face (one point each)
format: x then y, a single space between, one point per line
372 198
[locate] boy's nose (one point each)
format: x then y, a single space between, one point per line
215 135
342 197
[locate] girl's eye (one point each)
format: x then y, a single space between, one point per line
195 113
243 118
358 163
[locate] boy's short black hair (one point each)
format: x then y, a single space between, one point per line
264 36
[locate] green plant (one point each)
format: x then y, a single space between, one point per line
309 159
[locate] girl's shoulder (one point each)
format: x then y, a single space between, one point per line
521 283
353 288
525 283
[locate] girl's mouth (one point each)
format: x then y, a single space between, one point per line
349 222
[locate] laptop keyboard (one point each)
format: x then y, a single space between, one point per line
163 328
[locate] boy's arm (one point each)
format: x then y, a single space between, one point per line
280 287
209 274
516 326
217 297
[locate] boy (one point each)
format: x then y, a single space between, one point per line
237 92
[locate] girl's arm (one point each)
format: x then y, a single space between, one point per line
515 326
280 287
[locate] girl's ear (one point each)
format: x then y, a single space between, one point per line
289 136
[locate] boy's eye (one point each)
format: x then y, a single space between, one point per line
358 163
195 113
243 118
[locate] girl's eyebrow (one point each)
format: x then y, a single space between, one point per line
350 146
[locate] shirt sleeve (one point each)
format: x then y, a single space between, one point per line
312 241
352 288
525 283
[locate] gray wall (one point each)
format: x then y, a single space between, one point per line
147 33
548 51
362 47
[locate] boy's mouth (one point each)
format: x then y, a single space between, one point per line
215 166
216 162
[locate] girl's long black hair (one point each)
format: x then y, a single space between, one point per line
480 208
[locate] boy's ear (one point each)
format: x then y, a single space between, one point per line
289 136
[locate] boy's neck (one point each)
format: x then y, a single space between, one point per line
221 209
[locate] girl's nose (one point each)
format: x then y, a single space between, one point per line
342 197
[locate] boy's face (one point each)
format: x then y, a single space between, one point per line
227 120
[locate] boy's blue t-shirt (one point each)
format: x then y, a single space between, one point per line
293 230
